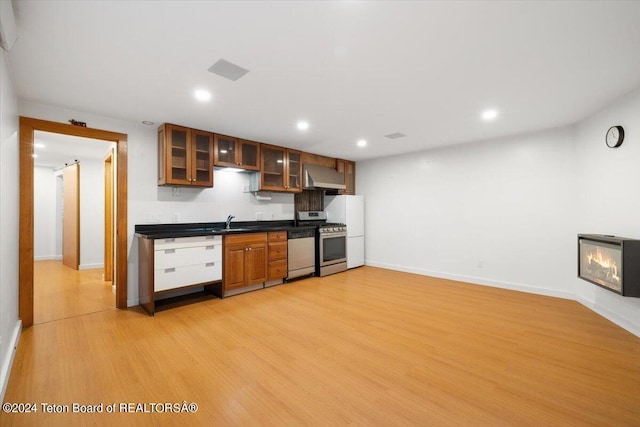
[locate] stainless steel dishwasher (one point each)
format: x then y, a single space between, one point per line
301 243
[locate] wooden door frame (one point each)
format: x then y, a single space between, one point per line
28 126
108 216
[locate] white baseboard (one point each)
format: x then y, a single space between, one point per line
47 257
7 359
477 280
610 315
90 266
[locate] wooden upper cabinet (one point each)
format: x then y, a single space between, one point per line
281 169
185 156
348 168
236 153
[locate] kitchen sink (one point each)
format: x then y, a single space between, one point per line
231 230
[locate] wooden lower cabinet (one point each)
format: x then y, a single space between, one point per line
245 262
277 255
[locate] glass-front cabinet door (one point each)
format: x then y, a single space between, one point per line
273 168
173 159
294 170
226 151
202 158
249 155
185 156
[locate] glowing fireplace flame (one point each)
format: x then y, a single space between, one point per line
604 261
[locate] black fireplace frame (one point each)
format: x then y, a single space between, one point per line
630 269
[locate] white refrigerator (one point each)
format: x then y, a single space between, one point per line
350 211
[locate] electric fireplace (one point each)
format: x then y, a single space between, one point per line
610 262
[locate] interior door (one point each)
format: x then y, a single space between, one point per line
71 216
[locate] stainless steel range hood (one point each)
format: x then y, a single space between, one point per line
320 177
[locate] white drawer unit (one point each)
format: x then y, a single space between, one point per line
185 242
180 257
186 261
176 277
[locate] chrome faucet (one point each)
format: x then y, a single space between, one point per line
229 218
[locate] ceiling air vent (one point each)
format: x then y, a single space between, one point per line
395 135
228 70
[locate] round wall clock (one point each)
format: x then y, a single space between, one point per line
615 136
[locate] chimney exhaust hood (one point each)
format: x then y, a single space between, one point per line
322 177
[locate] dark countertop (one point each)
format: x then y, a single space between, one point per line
167 231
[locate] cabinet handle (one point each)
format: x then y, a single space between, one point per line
170 270
210 264
169 240
208 248
169 251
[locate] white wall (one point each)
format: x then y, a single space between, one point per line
506 212
607 183
44 218
9 222
489 212
150 203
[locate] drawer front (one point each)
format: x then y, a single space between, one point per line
278 270
277 236
186 242
245 238
179 257
170 278
277 251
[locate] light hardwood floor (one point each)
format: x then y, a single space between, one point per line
365 347
60 292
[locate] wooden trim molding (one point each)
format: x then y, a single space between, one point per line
28 126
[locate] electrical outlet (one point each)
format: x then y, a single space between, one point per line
258 216
175 217
176 192
245 188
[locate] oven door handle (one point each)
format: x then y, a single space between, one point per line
341 234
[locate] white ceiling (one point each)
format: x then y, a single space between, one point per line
352 69
55 150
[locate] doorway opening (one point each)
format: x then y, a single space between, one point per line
28 128
73 206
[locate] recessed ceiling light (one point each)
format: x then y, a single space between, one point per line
38 145
489 115
202 95
302 125
147 122
362 143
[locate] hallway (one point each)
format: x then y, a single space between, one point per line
61 292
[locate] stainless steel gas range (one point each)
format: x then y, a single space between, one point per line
331 242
